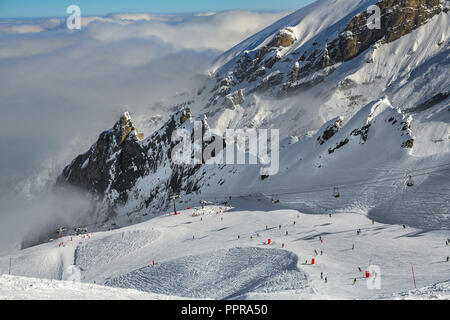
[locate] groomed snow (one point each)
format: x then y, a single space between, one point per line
225 254
22 288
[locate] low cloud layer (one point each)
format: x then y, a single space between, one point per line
60 88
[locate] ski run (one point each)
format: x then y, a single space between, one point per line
222 252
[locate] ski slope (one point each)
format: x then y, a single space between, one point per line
223 253
22 288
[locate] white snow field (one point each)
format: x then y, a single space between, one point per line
22 288
224 254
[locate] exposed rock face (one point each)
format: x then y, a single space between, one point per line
398 19
126 127
363 132
232 100
295 72
186 115
409 144
338 145
111 161
112 167
380 116
330 130
284 38
253 65
262 66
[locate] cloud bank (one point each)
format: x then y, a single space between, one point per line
59 89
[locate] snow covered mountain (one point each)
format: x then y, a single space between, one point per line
364 119
360 109
223 253
326 55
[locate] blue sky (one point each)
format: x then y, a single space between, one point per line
57 8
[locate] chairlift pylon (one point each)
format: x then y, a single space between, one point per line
336 193
410 182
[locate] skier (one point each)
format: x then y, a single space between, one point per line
287 232
239 237
354 281
404 227
326 279
321 275
353 247
448 258
321 252
359 268
294 223
279 227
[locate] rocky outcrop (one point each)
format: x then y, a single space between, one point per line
252 65
408 144
112 167
398 19
126 127
378 117
113 162
330 130
232 100
284 38
314 61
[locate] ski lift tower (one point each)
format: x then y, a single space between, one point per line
174 197
336 193
410 182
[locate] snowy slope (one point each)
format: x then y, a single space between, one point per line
306 23
222 253
359 127
410 71
439 291
22 288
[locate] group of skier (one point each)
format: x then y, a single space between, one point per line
316 252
